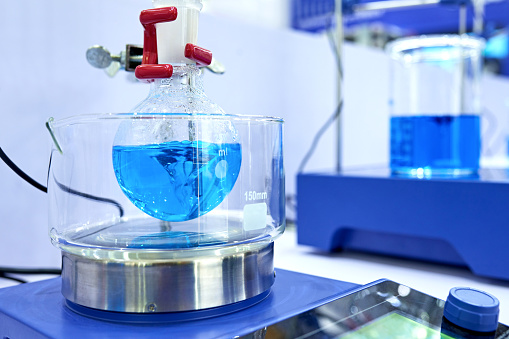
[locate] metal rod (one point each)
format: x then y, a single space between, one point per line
462 30
136 58
392 4
463 19
478 16
339 94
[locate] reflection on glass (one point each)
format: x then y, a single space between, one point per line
395 326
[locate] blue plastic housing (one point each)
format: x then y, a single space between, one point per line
452 221
37 310
312 15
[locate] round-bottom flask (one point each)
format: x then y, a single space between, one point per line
181 166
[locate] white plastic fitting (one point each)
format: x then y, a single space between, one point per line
172 37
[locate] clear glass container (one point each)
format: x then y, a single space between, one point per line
183 92
174 206
179 225
435 105
108 198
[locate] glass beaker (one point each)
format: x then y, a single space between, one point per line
435 105
180 225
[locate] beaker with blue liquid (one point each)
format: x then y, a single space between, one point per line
189 222
435 105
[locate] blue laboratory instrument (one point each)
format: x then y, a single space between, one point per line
433 203
457 221
299 306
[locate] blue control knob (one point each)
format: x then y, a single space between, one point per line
472 309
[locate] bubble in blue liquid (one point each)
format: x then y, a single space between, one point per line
177 180
443 142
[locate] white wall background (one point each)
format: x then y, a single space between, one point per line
268 13
270 71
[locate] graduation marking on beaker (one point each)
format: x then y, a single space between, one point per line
253 195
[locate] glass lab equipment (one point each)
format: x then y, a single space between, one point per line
435 105
173 206
214 142
171 226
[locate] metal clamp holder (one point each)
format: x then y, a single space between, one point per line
149 69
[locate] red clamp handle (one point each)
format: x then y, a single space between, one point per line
202 56
149 72
149 69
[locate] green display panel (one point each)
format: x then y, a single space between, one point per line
395 326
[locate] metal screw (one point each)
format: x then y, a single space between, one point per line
100 57
151 307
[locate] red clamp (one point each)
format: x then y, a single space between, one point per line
149 69
202 56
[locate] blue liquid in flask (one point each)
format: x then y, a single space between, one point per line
177 180
443 145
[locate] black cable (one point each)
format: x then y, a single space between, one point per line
66 189
12 270
28 271
19 172
339 108
333 46
22 281
27 178
90 197
318 135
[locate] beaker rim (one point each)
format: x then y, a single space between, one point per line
97 117
402 45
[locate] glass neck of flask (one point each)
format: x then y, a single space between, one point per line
186 80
